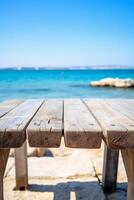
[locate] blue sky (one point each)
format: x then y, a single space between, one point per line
66 32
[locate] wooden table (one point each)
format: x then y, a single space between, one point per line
82 123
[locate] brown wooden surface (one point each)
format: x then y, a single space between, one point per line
7 106
126 107
81 130
14 123
118 129
45 130
81 119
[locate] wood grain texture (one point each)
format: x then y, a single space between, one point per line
45 130
125 107
7 106
81 130
13 124
118 129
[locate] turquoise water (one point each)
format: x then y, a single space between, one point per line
32 83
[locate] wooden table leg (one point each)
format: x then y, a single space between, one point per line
21 168
128 159
4 153
110 168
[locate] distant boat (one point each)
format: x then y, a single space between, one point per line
36 68
19 68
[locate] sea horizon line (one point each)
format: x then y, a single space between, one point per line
96 67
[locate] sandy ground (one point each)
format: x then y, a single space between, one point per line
65 174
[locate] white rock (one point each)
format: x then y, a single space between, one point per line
114 82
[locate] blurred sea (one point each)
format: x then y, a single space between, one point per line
32 83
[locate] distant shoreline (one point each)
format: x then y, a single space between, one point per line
70 68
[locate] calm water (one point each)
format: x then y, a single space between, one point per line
60 84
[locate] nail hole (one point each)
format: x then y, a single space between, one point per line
91 124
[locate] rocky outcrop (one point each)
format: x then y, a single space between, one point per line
114 82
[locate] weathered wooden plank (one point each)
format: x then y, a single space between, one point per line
110 159
125 107
6 106
81 130
118 129
128 159
21 168
45 130
13 124
3 161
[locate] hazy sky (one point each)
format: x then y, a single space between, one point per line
66 32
